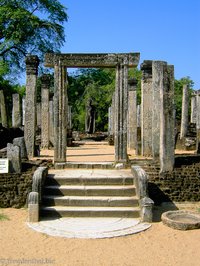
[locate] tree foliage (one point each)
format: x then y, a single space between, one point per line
178 93
97 85
30 27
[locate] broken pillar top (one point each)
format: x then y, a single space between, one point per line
146 68
45 79
132 84
32 63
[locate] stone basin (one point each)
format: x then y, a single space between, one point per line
181 220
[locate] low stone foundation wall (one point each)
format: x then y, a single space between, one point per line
181 185
14 188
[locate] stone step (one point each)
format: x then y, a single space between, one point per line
64 190
60 211
52 200
62 180
85 165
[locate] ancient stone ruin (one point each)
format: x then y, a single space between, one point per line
144 134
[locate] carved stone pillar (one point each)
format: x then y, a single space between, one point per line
146 108
32 63
163 119
45 111
51 122
4 119
185 112
132 115
121 108
16 111
193 118
60 113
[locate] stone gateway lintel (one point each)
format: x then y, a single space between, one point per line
84 60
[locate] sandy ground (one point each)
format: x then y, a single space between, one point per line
159 245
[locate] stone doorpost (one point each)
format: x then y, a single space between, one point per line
132 114
121 108
45 111
60 112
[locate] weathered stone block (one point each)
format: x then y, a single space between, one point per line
14 157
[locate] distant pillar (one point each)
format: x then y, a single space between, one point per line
198 120
163 81
138 115
38 114
69 116
132 114
121 108
32 63
4 119
45 111
193 118
51 123
16 111
60 112
23 110
185 112
111 121
147 104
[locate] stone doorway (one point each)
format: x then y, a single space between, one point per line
121 62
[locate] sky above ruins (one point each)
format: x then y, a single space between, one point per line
166 30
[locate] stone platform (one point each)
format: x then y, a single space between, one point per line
89 227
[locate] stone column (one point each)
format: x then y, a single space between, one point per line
60 113
121 108
138 115
16 111
163 79
110 119
51 127
32 63
23 110
132 115
147 104
4 119
198 121
45 111
69 117
193 118
157 84
38 114
184 113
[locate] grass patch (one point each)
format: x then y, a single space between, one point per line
3 217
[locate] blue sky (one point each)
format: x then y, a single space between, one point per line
167 30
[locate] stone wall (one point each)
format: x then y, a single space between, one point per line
14 188
183 184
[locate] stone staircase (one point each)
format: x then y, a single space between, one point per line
90 193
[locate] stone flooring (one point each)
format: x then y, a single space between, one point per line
89 227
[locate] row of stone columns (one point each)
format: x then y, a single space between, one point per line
157 113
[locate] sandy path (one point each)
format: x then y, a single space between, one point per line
159 245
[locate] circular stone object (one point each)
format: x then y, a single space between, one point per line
181 220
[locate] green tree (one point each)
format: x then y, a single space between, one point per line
30 27
97 85
178 92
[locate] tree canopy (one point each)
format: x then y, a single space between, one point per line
30 27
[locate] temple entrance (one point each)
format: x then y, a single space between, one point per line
121 62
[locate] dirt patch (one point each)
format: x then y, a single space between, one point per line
159 245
